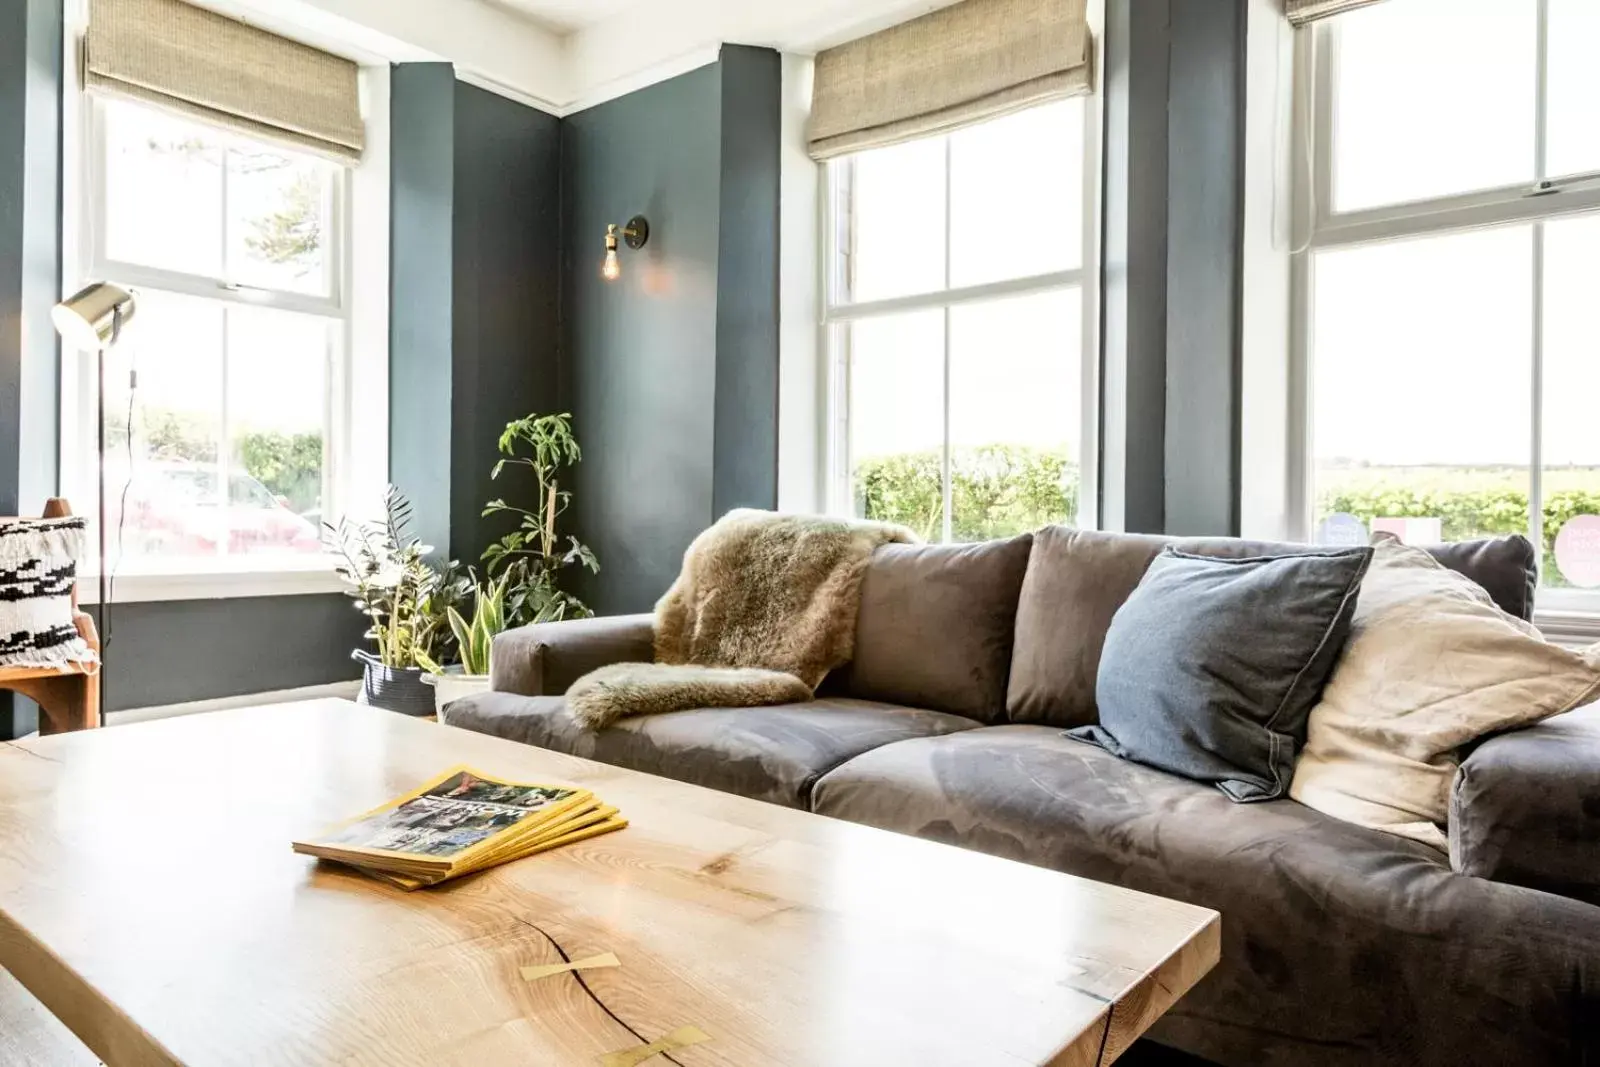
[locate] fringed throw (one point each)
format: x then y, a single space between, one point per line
38 569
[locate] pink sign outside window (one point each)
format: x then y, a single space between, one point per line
1578 551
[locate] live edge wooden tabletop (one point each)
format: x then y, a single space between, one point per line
148 897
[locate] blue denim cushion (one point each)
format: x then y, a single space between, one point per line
1213 665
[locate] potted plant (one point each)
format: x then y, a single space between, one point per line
405 598
532 557
473 644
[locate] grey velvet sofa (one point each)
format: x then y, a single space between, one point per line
1341 945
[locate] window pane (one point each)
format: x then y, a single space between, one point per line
277 404
277 220
1571 486
1422 354
163 190
185 505
163 499
1015 414
1433 97
897 419
897 221
1574 129
1016 195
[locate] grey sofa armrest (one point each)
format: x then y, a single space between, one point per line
544 659
1526 808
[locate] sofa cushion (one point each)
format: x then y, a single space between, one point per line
1526 807
1341 945
772 753
1506 567
1431 667
1077 579
1212 665
935 626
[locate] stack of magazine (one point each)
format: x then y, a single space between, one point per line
460 822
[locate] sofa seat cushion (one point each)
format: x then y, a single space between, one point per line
1341 945
773 753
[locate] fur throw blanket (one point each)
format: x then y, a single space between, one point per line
764 608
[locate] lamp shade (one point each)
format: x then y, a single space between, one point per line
90 318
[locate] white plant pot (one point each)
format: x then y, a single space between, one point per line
452 687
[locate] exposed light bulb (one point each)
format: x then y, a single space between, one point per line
611 269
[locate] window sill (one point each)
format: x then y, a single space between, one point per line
257 579
1575 629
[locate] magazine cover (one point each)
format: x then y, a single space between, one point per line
449 819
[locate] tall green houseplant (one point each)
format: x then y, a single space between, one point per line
532 557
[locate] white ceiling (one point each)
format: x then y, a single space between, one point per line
564 55
566 16
789 25
649 37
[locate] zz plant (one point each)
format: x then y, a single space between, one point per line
392 583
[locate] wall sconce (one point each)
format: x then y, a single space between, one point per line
635 233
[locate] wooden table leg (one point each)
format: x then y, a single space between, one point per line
66 703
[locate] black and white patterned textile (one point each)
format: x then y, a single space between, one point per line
38 567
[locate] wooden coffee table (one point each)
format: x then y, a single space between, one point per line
148 897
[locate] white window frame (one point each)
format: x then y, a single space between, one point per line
356 448
1561 611
839 313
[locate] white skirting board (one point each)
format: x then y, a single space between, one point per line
344 690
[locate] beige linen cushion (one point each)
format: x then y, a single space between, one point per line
1431 665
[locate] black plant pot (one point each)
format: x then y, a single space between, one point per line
399 689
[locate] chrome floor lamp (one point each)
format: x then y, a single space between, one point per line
91 320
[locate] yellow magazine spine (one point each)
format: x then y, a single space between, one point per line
410 860
521 847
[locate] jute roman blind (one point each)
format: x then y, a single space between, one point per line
183 57
1301 12
948 69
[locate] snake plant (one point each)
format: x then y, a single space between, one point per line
475 638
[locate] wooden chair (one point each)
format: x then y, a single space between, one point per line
69 698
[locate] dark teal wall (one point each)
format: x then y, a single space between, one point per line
30 268
422 153
475 219
745 464
175 651
1205 197
671 372
1134 251
507 289
1173 234
39 411
640 359
30 249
